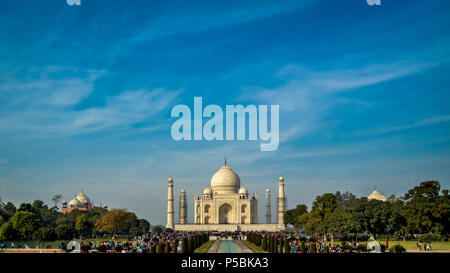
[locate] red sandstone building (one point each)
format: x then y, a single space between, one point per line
79 202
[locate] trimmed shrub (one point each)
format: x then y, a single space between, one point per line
184 245
287 246
303 247
102 248
264 243
312 248
160 248
429 237
398 249
167 249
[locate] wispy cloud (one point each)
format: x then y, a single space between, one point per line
46 106
311 94
419 123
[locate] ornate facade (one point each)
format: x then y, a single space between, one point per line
225 205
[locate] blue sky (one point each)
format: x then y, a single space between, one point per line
86 93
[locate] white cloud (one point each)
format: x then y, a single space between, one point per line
44 107
419 123
307 96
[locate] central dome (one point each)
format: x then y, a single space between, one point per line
225 181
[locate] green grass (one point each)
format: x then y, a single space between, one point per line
411 245
253 247
204 248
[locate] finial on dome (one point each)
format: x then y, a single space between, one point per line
225 161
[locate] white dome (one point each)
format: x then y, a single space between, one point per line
207 191
225 181
375 195
75 203
243 190
83 198
281 178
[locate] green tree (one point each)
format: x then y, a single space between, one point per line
291 216
427 211
83 225
66 232
25 223
55 200
7 232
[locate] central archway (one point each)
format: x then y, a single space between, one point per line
225 212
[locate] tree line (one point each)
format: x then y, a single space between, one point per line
423 209
36 221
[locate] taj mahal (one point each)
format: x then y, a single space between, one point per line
225 206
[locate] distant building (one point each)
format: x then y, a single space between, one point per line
375 195
79 202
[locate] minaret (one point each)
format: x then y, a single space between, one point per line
170 204
268 208
281 200
183 207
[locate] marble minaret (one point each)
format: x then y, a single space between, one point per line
268 208
183 207
281 201
170 204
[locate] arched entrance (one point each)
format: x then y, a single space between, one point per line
225 212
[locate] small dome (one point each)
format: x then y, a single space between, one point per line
375 195
267 190
183 191
170 179
83 198
207 191
225 181
75 203
243 190
281 178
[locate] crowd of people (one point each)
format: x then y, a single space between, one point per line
172 242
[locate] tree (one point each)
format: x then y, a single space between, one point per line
83 226
144 225
427 211
7 232
56 199
25 223
25 207
291 216
157 229
9 209
66 232
117 220
44 234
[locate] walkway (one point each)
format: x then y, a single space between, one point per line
229 246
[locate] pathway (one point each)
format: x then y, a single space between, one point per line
229 246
